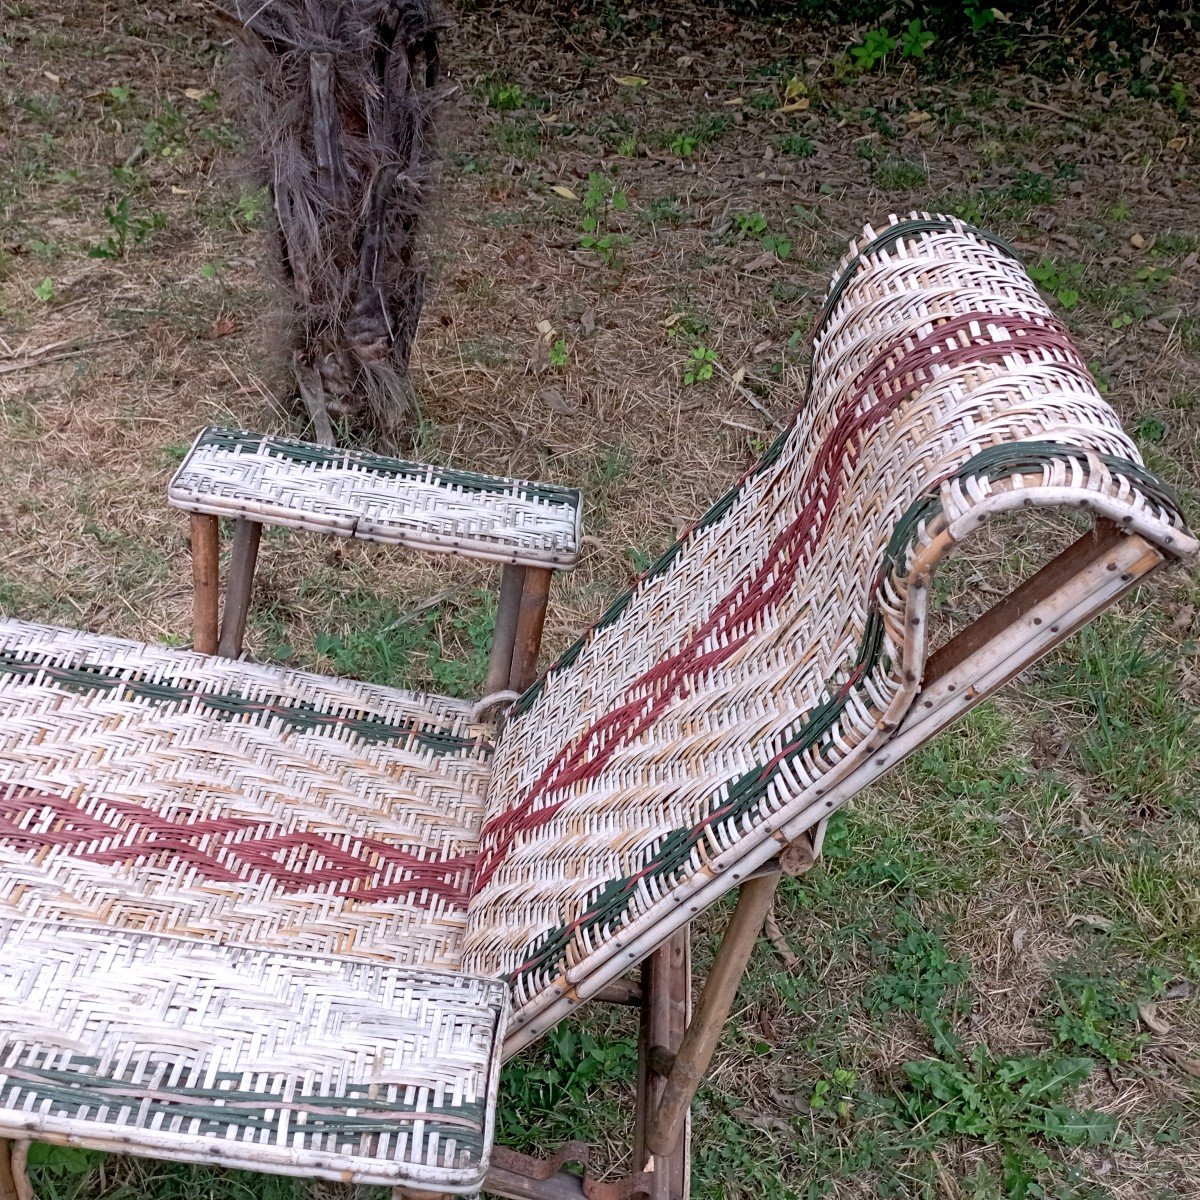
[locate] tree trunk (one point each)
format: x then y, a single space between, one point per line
344 95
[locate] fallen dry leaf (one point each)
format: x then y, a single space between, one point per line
539 360
587 322
222 327
1152 1021
789 1101
555 401
1189 1066
1091 920
633 81
762 1120
774 934
770 259
565 192
195 93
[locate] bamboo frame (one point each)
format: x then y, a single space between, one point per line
512 583
666 1011
531 618
242 561
206 581
14 1178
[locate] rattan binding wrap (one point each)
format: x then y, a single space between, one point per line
353 493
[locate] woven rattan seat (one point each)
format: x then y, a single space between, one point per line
241 891
244 909
351 493
319 1065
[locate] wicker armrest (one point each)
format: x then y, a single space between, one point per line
263 1060
351 493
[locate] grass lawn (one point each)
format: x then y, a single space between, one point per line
990 985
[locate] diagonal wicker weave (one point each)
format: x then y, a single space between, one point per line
264 1060
243 840
232 473
770 653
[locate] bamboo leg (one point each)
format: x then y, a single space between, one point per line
666 1005
206 581
704 1032
530 619
504 636
8 1186
14 1179
237 591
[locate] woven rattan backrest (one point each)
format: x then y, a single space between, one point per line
781 639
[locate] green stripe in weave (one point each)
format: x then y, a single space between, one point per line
299 717
888 238
734 802
304 454
69 1093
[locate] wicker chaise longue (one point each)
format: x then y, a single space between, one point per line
262 918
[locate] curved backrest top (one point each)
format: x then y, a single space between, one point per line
780 638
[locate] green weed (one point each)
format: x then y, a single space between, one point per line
1016 1104
919 971
600 200
166 134
128 229
502 96
517 136
443 647
916 39
834 1092
1057 279
750 224
691 139
876 45
755 225
796 145
564 1087
899 175
664 211
1098 1015
700 364
913 43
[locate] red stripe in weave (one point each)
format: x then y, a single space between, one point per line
227 850
894 374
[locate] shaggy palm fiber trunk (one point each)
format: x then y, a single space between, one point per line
344 95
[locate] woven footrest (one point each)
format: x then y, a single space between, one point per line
280 481
247 1058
